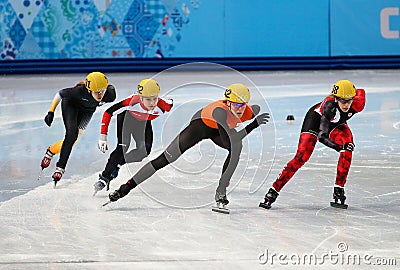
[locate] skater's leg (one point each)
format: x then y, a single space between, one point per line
143 137
70 118
117 157
56 148
341 135
191 135
343 168
229 166
185 140
75 123
305 148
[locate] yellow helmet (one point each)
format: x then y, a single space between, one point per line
96 82
344 89
148 88
238 93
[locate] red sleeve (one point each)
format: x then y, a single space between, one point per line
165 105
359 100
105 122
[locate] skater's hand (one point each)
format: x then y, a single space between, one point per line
261 119
349 146
103 145
48 119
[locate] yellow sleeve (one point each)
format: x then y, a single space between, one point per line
55 102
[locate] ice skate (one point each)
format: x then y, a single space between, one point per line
102 183
269 198
58 173
221 203
338 195
118 194
46 159
45 162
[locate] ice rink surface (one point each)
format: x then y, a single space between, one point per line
167 222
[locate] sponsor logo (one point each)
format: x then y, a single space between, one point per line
388 31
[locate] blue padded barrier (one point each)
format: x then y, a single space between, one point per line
154 65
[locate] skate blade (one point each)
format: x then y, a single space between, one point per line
220 210
40 174
264 205
339 205
104 204
96 191
55 183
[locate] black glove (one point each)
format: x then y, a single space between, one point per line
349 146
49 118
261 119
258 120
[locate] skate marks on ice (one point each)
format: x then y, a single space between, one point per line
65 226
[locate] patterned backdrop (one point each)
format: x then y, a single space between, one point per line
73 29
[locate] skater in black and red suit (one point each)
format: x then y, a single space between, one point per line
134 116
325 122
217 121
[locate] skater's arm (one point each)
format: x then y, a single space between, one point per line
229 135
48 119
328 112
323 136
255 110
259 120
165 105
55 102
359 100
110 94
114 109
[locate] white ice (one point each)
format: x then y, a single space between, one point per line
167 222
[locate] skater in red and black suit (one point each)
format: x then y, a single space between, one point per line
78 104
325 122
217 122
134 116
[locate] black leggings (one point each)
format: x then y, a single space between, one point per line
128 127
74 120
195 132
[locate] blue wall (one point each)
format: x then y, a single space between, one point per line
127 34
255 28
